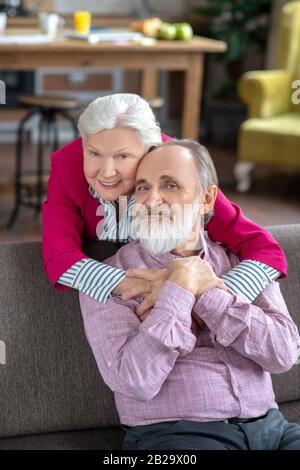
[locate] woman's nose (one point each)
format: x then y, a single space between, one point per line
108 169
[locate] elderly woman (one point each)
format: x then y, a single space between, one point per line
91 175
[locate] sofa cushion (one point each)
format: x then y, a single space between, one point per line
287 386
93 439
271 141
50 381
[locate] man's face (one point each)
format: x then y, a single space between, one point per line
168 203
111 158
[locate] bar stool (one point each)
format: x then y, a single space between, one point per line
156 104
47 108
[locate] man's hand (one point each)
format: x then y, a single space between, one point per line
191 273
194 275
147 284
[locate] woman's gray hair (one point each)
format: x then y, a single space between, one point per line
207 175
125 110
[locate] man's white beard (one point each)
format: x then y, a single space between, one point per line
164 235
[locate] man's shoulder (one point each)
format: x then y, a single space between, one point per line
131 255
222 260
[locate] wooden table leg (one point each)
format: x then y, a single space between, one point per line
149 83
192 98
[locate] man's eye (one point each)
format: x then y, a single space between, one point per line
123 157
141 188
171 186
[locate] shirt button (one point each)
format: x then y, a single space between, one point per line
109 364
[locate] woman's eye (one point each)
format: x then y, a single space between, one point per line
93 154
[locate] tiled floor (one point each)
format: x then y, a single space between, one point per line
274 199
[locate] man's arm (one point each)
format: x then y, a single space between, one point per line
263 331
136 358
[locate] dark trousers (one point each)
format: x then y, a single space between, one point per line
272 432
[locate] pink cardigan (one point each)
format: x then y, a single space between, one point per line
69 216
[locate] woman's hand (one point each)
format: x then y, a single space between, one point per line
154 280
131 287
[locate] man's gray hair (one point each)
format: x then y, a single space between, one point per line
125 110
207 175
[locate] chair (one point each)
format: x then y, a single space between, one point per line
271 135
46 108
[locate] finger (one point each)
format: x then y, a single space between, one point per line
221 285
138 289
140 273
147 303
145 315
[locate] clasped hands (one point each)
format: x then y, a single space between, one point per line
192 273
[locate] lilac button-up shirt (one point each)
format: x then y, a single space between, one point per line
161 370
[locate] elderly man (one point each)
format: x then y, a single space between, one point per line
194 371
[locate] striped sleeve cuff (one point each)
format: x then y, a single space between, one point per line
249 278
93 278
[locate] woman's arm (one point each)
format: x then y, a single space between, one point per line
262 259
244 237
62 228
94 278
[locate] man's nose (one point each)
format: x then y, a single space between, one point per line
153 198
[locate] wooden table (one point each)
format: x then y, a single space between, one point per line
150 60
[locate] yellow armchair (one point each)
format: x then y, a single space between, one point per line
271 135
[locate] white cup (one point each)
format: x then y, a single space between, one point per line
50 23
3 21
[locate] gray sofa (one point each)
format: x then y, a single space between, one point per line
51 394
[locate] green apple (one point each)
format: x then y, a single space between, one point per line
167 31
184 31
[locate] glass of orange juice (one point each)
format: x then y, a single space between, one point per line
82 21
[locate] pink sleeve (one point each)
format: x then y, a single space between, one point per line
165 137
242 326
62 229
243 237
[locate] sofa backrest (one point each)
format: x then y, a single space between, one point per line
50 381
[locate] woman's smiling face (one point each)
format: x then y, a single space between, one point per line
111 159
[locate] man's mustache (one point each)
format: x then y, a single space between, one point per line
144 211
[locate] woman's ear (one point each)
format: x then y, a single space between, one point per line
209 198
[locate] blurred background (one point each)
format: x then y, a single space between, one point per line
249 119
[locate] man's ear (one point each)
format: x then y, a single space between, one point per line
209 198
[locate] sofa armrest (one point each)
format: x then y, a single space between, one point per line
267 93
